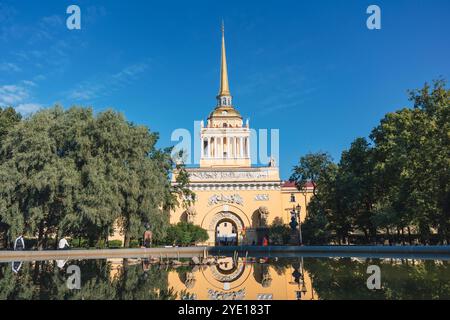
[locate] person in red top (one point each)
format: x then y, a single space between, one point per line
265 241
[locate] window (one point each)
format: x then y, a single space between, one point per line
292 197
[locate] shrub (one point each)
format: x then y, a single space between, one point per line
115 243
185 234
279 233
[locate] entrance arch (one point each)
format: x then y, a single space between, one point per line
219 212
227 226
226 233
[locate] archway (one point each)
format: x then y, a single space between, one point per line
226 233
227 226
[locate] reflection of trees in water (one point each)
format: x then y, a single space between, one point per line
44 280
133 283
261 273
345 278
281 265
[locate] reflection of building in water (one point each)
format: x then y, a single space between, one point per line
239 281
235 201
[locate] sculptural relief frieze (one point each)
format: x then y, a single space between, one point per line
228 175
262 197
220 198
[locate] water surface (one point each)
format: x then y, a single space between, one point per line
298 278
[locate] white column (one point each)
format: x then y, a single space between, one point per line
241 147
248 147
234 147
216 145
209 147
203 147
228 147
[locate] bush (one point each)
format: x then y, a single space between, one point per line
79 243
115 243
134 243
185 234
279 233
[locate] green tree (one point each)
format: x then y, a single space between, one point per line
279 232
8 119
412 150
185 234
311 167
399 180
70 173
355 185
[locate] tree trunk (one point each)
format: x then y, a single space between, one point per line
37 264
40 243
56 240
366 235
127 240
409 235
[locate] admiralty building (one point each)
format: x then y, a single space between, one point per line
235 201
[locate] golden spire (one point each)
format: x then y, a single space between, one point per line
224 86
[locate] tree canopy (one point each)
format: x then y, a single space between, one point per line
73 173
397 181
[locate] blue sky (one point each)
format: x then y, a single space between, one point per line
311 69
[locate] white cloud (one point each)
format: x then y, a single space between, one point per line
27 108
95 88
19 96
9 67
12 94
29 83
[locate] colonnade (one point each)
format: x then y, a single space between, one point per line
220 147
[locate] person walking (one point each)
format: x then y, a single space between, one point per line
148 236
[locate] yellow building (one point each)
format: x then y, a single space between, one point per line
235 201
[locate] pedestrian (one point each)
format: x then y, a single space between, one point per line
148 236
63 244
265 242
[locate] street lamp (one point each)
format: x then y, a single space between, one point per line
298 211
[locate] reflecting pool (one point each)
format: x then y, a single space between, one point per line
228 279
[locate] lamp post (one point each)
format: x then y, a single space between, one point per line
298 211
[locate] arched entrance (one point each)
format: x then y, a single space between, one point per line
226 233
227 226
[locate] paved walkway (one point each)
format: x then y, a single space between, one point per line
417 252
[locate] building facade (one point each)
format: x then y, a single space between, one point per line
235 201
